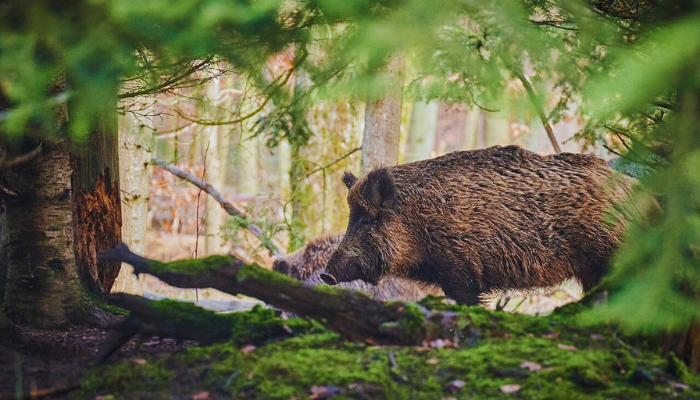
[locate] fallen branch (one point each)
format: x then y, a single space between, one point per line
352 314
229 207
179 321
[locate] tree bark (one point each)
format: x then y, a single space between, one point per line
421 131
213 174
42 287
380 142
96 203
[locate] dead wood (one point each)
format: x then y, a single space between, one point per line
352 314
230 207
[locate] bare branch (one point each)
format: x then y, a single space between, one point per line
539 109
7 164
344 156
168 83
229 207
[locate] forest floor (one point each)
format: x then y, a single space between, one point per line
495 355
57 360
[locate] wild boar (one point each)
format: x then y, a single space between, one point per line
475 222
309 262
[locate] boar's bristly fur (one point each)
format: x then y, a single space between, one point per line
474 222
308 263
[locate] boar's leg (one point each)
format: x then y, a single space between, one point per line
461 288
590 270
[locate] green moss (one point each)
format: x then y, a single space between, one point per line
193 266
494 347
140 380
256 272
411 323
96 300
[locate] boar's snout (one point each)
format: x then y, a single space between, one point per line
281 265
341 268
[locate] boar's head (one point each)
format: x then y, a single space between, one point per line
366 249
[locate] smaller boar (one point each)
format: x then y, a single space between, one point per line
483 221
306 265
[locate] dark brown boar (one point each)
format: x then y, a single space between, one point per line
475 222
308 263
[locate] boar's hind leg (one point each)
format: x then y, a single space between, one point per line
463 290
590 271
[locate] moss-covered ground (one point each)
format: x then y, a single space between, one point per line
564 359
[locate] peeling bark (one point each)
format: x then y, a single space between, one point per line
96 204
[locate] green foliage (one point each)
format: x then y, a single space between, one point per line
95 45
235 224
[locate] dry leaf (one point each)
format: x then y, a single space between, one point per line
552 335
566 347
140 361
247 349
324 392
531 366
454 386
201 396
510 388
439 343
678 385
433 361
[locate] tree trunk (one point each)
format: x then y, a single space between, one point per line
421 131
296 183
215 175
135 142
96 203
380 142
42 287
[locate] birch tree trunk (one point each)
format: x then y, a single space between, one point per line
135 144
421 131
42 288
380 142
215 175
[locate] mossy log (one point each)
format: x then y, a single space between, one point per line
352 314
186 321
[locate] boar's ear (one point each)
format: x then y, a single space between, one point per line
349 179
382 191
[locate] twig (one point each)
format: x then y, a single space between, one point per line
506 300
21 159
539 109
330 164
520 304
229 207
392 360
